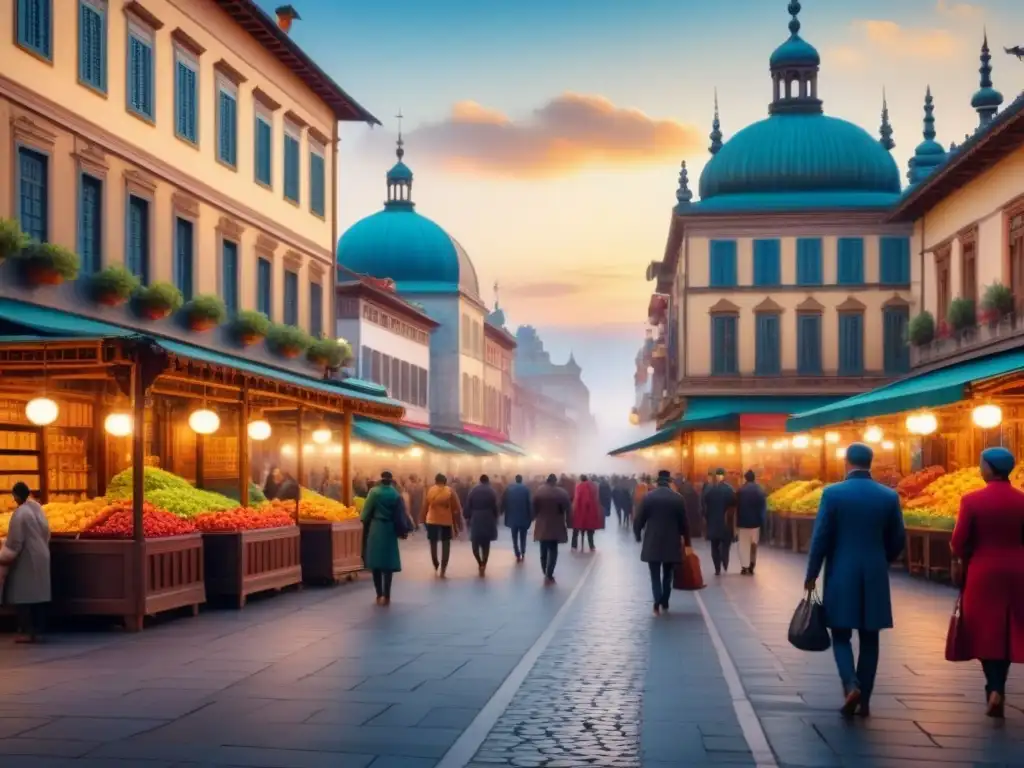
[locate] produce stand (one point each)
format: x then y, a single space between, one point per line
801 528
96 577
778 529
331 551
248 562
927 553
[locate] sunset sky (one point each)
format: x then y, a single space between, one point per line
546 135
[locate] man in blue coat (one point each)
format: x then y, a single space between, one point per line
858 532
517 507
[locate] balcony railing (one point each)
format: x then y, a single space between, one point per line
1004 333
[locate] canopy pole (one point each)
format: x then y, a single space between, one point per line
300 450
244 470
346 458
138 390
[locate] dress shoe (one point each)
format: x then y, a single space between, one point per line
996 706
851 704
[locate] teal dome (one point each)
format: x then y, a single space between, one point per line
795 52
987 97
412 250
400 172
800 153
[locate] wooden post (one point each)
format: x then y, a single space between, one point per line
346 458
43 438
200 461
243 448
299 454
139 487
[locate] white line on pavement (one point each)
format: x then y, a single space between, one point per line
466 746
750 725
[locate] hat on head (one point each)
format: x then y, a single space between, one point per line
720 472
664 474
1000 460
860 455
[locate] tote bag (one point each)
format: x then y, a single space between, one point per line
807 630
688 576
956 640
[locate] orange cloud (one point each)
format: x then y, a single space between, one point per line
569 133
890 38
955 10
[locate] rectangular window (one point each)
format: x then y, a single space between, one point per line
140 70
808 261
768 352
808 344
385 373
969 270
896 350
137 247
722 269
376 378
894 261
35 26
227 124
291 163
90 224
229 275
851 344
92 44
264 149
850 261
291 298
723 345
184 265
366 367
396 377
316 309
186 106
767 263
34 194
264 287
422 402
317 181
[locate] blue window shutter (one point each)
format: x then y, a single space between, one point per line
137 247
291 298
895 343
316 309
140 76
767 266
317 184
227 139
263 151
90 224
808 341
767 352
229 275
92 45
263 288
894 260
850 261
185 101
33 194
723 345
851 344
722 267
808 261
183 265
291 168
34 26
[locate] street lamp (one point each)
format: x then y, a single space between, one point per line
987 416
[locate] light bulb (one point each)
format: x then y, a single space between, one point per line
927 423
322 436
840 453
118 424
873 434
41 411
415 452
287 450
204 421
984 416
888 445
801 441
831 438
259 429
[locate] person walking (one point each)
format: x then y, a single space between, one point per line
586 513
442 514
858 532
482 513
604 495
551 511
661 520
719 513
516 506
385 520
623 501
751 511
989 540
25 565
643 485
692 500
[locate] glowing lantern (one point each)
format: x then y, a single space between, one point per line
41 411
118 424
922 423
204 421
415 452
873 435
322 436
762 443
801 441
984 416
840 453
832 438
287 450
888 445
259 430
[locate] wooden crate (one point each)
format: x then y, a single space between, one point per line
927 553
781 530
244 563
801 528
331 551
98 577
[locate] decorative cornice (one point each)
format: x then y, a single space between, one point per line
139 182
769 305
316 270
724 307
295 119
896 301
230 228
223 67
292 260
27 131
266 244
319 137
186 41
185 205
265 99
968 234
810 304
135 9
851 305
90 158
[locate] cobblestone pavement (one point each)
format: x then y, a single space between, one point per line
325 678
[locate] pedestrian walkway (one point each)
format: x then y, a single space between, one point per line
500 671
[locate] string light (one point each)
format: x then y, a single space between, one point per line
118 424
42 411
203 421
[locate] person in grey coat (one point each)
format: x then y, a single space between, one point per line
552 509
25 564
661 520
517 508
719 520
482 512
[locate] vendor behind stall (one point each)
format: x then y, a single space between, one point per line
25 564
281 485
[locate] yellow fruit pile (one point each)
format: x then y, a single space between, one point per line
785 497
75 517
5 523
947 490
316 508
808 503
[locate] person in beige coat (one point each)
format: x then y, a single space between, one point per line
25 564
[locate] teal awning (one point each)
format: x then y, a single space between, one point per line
53 322
513 449
926 390
472 444
379 433
660 437
430 440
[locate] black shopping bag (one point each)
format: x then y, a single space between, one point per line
807 630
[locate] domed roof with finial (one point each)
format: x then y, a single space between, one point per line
496 317
402 245
986 100
716 130
795 52
929 154
885 130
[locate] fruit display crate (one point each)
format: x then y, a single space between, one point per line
927 553
98 577
244 563
331 551
778 529
801 528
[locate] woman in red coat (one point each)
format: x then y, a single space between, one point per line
587 515
989 538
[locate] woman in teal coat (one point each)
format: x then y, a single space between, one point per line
383 519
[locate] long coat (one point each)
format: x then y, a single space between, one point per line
604 494
383 504
989 535
751 506
551 511
516 506
586 509
662 521
857 533
718 500
482 513
28 538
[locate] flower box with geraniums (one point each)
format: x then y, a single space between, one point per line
47 263
961 315
205 312
996 304
329 354
250 327
12 239
922 329
113 286
157 301
287 340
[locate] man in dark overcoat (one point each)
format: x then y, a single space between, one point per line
552 508
516 505
661 520
719 511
